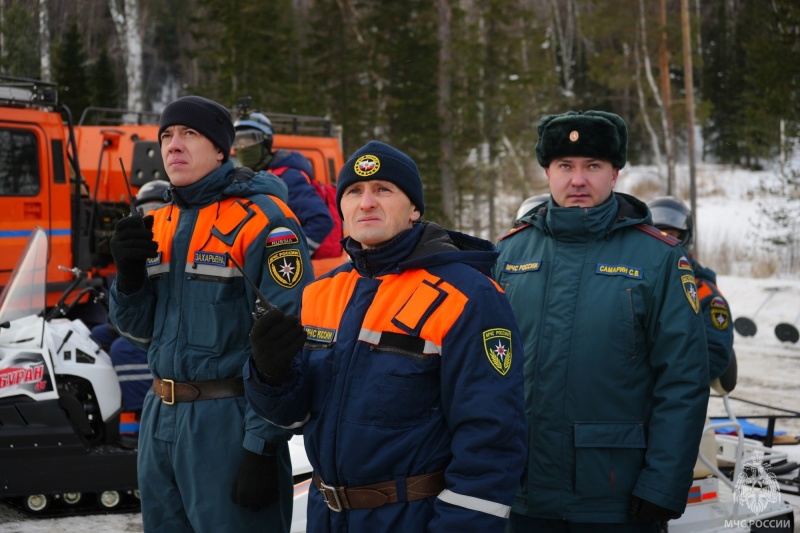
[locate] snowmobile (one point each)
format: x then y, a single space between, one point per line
60 402
736 486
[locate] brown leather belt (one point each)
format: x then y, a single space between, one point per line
375 495
175 391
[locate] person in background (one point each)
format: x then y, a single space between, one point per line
253 148
206 462
674 218
408 389
130 361
616 368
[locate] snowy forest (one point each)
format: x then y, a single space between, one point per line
457 84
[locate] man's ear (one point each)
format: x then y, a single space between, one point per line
415 214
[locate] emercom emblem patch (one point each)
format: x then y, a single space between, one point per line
690 289
286 267
497 343
720 316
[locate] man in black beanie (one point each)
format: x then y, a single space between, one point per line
408 389
206 462
616 366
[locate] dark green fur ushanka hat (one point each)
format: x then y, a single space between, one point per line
586 134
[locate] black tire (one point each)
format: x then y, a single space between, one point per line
787 333
745 327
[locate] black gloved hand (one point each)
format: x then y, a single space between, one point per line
650 512
256 483
276 338
131 245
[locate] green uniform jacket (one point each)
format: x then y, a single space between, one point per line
616 365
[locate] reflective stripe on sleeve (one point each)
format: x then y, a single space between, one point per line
135 377
133 338
127 368
293 426
475 504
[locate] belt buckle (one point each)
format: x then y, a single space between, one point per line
323 488
171 384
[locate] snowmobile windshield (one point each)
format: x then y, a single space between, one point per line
26 290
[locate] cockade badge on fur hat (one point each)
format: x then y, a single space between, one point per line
379 161
596 134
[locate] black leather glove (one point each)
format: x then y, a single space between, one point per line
276 338
256 483
131 245
650 512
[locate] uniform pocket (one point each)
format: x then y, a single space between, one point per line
405 400
403 389
608 459
320 372
216 312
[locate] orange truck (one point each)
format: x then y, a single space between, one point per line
67 179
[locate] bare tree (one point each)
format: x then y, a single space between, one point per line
126 21
565 31
648 72
445 118
666 93
44 40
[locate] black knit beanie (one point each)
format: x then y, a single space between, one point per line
204 115
597 134
379 161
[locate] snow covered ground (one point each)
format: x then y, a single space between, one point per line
769 370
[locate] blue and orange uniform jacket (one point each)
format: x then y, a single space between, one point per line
412 366
717 317
304 201
193 315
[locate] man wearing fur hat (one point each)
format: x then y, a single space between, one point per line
616 371
206 462
408 389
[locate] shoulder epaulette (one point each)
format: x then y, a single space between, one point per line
515 230
658 234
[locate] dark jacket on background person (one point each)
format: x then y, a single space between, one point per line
193 315
717 318
616 368
303 198
412 366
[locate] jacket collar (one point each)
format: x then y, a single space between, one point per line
570 224
227 182
424 245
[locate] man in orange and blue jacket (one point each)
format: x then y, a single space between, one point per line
206 462
408 389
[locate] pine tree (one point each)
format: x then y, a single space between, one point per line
246 48
20 53
103 82
69 72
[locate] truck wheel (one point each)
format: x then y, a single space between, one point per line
36 503
109 499
71 498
